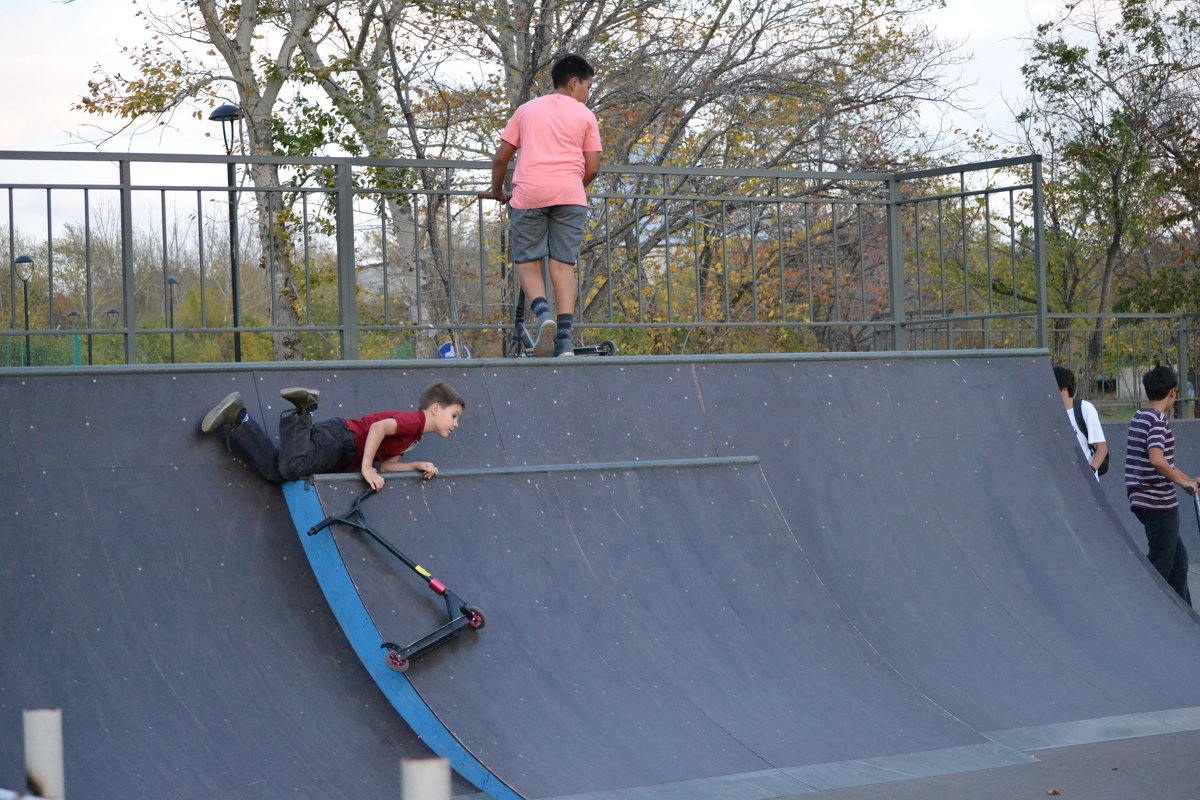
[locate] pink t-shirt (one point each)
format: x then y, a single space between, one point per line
552 132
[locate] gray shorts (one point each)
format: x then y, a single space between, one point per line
555 231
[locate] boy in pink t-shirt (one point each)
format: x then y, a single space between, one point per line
560 149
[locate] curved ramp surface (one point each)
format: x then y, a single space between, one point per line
647 626
902 581
915 579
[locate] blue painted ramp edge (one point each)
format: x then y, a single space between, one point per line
351 614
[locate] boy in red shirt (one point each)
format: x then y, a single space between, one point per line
560 149
336 444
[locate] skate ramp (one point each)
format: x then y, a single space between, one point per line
916 579
667 640
725 577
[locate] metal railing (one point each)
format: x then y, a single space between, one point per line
340 258
1109 354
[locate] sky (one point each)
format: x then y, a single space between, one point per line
49 49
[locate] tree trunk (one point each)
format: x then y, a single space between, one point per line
276 259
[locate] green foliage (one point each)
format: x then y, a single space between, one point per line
1107 95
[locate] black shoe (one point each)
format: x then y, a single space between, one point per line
225 412
305 400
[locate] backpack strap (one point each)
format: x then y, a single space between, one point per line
1082 425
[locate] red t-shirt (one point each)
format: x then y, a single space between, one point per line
410 425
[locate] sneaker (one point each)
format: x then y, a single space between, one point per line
563 348
305 400
544 345
225 412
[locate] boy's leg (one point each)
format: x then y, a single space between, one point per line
1162 540
246 438
529 247
530 276
307 448
563 239
1178 576
250 442
566 291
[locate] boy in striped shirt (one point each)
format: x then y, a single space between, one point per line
1151 476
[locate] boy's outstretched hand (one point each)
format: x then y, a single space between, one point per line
500 196
426 468
375 480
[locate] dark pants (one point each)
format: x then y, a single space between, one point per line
1166 551
305 448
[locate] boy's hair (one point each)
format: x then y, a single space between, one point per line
570 66
1159 382
443 394
1066 380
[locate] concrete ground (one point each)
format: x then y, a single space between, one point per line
1165 767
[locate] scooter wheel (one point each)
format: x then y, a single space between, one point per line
475 617
396 663
607 348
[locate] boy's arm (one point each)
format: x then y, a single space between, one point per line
499 172
375 436
1099 455
394 464
591 167
1158 460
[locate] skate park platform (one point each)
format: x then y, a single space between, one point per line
742 577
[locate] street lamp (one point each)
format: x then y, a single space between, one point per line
172 282
24 265
228 116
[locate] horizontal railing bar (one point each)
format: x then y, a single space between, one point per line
1022 187
217 188
1124 315
999 163
538 469
630 169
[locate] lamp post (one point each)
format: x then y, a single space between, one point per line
172 282
76 351
228 116
24 265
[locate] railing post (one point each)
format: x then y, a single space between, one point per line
235 291
129 288
12 269
1039 254
1187 388
895 256
425 779
347 284
44 753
